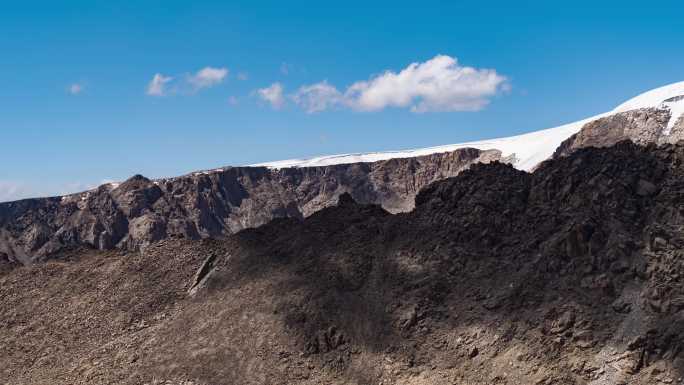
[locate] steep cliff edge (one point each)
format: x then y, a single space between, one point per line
215 203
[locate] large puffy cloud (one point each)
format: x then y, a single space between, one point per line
272 94
157 86
208 77
439 84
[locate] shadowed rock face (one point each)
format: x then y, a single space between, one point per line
212 204
7 263
572 274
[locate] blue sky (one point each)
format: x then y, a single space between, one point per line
77 108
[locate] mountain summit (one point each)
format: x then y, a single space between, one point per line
216 203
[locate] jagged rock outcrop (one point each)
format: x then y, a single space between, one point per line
641 126
140 211
573 274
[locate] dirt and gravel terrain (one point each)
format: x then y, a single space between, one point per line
573 274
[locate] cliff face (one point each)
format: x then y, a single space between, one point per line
642 126
212 204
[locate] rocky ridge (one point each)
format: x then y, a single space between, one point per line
572 274
210 204
140 211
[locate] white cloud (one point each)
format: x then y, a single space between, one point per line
439 84
157 86
272 94
75 89
318 97
208 77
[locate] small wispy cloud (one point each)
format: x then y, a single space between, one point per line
233 101
157 86
318 97
75 88
273 95
242 76
207 77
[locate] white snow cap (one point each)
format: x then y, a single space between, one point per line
653 98
528 149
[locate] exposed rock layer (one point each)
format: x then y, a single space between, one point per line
642 126
213 204
573 274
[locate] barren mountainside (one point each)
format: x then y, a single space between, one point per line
214 203
573 274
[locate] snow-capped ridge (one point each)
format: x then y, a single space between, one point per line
669 97
671 93
527 150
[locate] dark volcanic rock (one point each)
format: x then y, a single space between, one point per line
573 274
140 211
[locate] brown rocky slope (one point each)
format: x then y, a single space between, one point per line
573 274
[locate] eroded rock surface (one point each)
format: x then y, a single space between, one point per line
641 126
212 204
